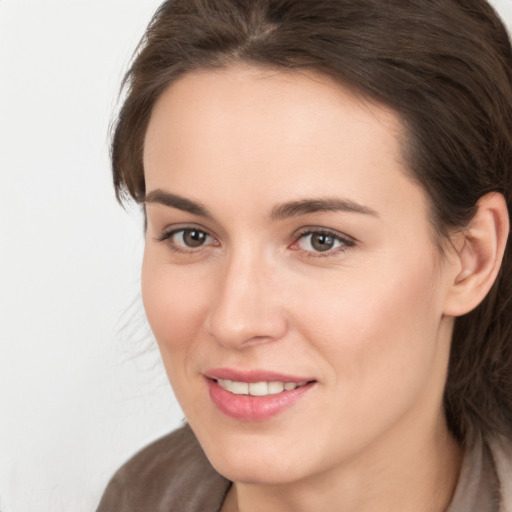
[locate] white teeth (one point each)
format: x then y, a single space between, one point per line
275 387
258 388
223 383
239 388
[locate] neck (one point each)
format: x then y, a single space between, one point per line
419 476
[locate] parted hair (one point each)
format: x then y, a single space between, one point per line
445 68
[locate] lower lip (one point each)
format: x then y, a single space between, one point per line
254 408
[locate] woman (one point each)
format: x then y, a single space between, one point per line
326 187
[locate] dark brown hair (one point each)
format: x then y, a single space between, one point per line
445 67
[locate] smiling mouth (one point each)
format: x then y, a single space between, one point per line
258 388
257 400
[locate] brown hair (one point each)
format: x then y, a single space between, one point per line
445 66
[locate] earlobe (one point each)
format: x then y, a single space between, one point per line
479 256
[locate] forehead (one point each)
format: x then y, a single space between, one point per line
242 99
276 134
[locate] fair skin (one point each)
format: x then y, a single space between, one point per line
355 295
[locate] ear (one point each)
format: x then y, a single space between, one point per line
478 255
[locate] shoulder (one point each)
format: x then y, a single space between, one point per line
170 474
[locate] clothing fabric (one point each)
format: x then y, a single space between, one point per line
174 475
170 475
480 487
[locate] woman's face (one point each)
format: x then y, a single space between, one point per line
287 245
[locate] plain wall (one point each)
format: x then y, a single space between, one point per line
81 386
79 389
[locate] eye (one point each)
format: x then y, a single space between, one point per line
322 241
190 237
186 238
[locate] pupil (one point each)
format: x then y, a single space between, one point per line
322 242
194 238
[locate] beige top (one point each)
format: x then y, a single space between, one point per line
173 475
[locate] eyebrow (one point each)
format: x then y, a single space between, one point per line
279 212
159 196
329 204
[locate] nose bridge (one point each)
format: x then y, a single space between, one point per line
246 308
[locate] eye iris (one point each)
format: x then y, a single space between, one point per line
322 242
194 237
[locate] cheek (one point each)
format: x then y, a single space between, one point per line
377 327
378 338
174 302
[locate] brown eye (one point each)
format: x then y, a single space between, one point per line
192 237
322 242
186 238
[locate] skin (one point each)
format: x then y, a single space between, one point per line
368 319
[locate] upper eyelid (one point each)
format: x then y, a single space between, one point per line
347 243
309 230
170 230
166 235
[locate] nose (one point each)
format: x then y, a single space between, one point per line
246 308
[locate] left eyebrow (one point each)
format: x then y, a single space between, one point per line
305 206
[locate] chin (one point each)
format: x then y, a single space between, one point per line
251 469
257 459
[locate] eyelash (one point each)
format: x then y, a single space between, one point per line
345 242
166 236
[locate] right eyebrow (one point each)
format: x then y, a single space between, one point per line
159 196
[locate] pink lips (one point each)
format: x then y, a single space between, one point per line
253 408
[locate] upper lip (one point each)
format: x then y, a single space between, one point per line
253 375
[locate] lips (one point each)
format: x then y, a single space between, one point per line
255 395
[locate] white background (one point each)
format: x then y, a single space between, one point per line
81 386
